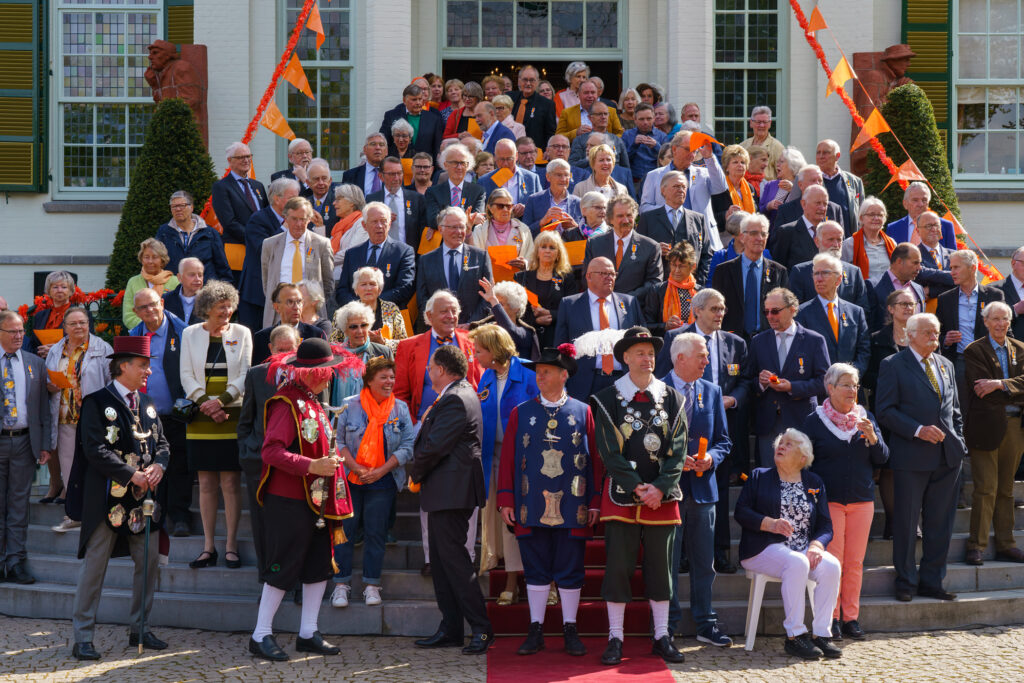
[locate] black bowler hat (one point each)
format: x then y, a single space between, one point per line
563 357
636 335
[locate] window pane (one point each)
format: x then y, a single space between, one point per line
78 167
78 76
111 167
730 5
729 94
337 29
334 92
139 116
761 90
1002 152
602 24
136 77
972 56
1003 53
496 19
531 24
109 33
971 153
334 142
972 16
729 37
77 124
77 30
1002 16
110 77
1002 116
764 4
141 32
110 124
971 116
566 24
763 41
463 23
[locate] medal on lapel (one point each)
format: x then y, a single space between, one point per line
700 400
151 413
309 430
801 363
110 413
632 249
526 440
388 273
733 369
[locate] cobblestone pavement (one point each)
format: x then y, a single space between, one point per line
40 650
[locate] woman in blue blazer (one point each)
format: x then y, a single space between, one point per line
785 527
505 384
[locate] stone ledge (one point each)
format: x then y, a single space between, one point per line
84 206
52 260
991 195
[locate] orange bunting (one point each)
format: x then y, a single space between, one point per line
840 75
875 125
816 22
314 24
908 171
296 75
532 298
273 120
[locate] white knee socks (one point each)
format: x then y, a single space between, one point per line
616 614
570 603
269 603
659 615
312 596
537 596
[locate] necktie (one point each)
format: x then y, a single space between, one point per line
618 254
915 236
9 393
456 196
684 305
688 395
932 379
395 207
243 185
607 362
751 301
521 111
783 351
377 185
935 257
374 250
673 218
296 262
689 185
833 320
133 403
711 361
453 270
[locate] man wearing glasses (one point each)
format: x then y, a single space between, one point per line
408 210
558 148
842 323
530 108
760 125
236 196
1013 289
25 440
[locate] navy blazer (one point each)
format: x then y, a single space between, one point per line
854 344
947 310
578 174
529 184
432 275
428 137
231 207
793 209
520 387
905 400
641 266
732 351
846 467
415 214
171 352
935 276
261 340
900 232
772 407
397 263
439 196
538 203
356 176
574 320
878 292
174 304
708 422
262 225
327 210
792 243
1010 292
852 287
728 280
500 132
762 497
205 244
691 228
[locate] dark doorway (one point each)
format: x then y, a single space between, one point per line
553 71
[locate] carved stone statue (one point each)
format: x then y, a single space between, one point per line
180 75
878 72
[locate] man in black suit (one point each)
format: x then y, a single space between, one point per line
637 258
745 280
300 154
456 190
904 265
935 274
429 130
536 113
793 242
395 260
408 210
320 194
852 288
181 300
288 304
236 197
367 175
672 223
446 462
917 402
1013 290
455 266
790 211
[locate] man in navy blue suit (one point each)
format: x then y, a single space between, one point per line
558 147
493 129
544 207
904 265
597 308
808 176
457 190
530 108
786 372
408 210
915 200
637 258
793 242
236 197
181 300
263 224
672 223
521 185
320 194
367 175
829 240
935 274
842 323
427 125
300 153
705 417
395 260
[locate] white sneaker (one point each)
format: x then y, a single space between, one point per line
371 594
67 525
340 596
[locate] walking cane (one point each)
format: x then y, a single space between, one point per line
147 512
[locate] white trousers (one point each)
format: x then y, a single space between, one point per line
793 569
470 536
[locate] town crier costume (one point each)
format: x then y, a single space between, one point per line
302 491
641 437
549 492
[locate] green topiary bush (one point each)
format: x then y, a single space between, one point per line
912 119
173 157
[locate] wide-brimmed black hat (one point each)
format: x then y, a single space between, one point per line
317 353
563 357
636 335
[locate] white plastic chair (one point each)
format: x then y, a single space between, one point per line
757 585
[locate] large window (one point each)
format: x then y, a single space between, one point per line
325 122
989 89
578 24
103 101
747 71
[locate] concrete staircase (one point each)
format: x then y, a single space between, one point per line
226 599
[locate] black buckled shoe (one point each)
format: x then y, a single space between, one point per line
613 653
268 649
534 642
664 648
149 641
479 643
317 645
802 647
84 652
827 647
440 639
573 645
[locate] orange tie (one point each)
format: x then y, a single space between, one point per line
915 236
618 255
296 262
935 257
607 362
521 111
833 320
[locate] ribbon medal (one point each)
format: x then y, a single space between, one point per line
801 362
632 249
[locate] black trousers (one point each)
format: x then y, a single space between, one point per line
455 582
177 483
930 496
251 471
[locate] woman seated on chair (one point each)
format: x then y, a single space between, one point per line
786 526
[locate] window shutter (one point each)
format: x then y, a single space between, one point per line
23 77
926 29
179 21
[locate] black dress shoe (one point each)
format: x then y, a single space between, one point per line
613 653
149 641
19 574
425 569
207 558
827 648
534 642
852 629
573 644
802 647
316 645
837 630
664 648
1011 555
479 643
937 593
440 639
904 595
181 530
268 649
84 652
973 557
232 564
722 563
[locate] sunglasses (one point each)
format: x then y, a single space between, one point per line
774 311
359 326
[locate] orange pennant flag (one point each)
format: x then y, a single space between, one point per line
875 125
698 140
296 75
474 129
816 22
314 24
958 229
275 121
840 75
908 171
532 298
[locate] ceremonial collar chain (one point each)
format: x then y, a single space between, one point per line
634 422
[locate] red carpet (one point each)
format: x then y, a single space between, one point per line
552 664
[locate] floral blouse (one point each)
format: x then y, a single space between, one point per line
796 510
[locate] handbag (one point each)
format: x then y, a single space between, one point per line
185 410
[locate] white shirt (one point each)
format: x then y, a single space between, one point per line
595 319
123 392
657 389
825 302
397 229
810 226
625 245
20 388
286 258
187 303
712 351
585 118
1019 286
554 404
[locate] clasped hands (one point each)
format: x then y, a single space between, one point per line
649 494
149 477
213 409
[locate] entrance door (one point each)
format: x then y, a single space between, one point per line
554 71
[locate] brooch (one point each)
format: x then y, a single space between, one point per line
814 493
483 395
622 307
113 433
110 413
733 369
231 343
533 421
151 412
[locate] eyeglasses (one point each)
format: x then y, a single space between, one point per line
905 304
179 206
558 146
461 164
855 387
719 309
501 205
604 273
242 156
774 311
824 273
14 333
358 326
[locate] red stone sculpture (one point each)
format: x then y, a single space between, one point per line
171 74
878 72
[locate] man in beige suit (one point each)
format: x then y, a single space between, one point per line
294 255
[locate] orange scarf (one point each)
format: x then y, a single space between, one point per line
671 305
371 448
56 317
743 199
860 254
341 227
158 281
